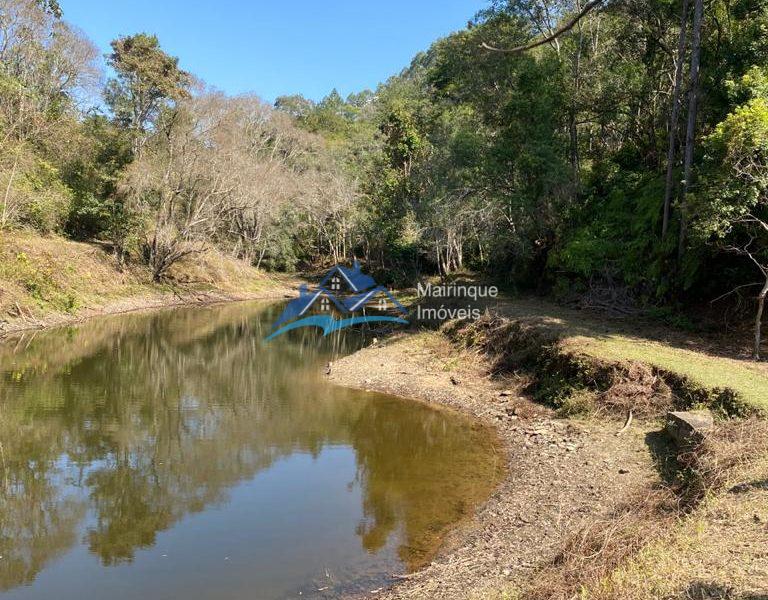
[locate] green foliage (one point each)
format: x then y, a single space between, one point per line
402 139
147 78
36 197
738 176
619 237
48 199
93 178
40 282
295 105
88 216
283 253
328 116
544 168
752 84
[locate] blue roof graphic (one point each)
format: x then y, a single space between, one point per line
299 306
358 301
353 277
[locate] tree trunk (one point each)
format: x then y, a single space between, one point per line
6 211
690 132
674 117
759 318
573 136
459 254
261 256
573 132
119 253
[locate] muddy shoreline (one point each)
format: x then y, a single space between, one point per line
560 473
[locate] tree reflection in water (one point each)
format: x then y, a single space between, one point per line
115 430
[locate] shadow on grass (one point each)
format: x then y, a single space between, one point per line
742 488
664 453
702 590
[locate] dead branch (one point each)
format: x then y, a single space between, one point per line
627 424
734 290
588 7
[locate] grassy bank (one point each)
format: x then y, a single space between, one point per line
701 530
746 379
51 280
683 523
591 352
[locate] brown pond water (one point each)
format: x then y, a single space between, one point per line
175 455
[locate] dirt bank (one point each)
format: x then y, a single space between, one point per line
562 473
150 301
50 281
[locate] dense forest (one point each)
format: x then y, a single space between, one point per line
612 153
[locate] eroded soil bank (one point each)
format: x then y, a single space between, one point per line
561 472
145 301
51 281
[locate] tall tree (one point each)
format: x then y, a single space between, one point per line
674 117
690 132
147 80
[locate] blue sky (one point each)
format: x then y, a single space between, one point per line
275 48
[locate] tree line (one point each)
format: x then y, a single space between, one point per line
612 152
152 161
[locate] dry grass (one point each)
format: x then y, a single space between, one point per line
716 554
572 379
635 386
40 275
736 451
706 537
44 277
603 545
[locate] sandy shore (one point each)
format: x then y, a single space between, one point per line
561 472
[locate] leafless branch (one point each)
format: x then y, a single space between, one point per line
567 26
734 290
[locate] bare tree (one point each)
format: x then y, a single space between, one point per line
176 183
674 117
753 252
690 131
224 171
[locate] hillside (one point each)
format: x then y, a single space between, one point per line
51 280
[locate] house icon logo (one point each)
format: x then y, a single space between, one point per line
345 297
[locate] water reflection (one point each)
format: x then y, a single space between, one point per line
183 425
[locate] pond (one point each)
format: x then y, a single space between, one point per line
175 454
